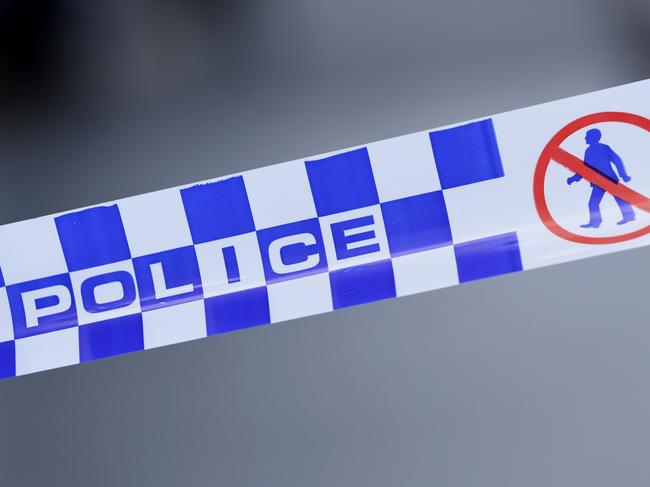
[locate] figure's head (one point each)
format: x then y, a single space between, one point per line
593 136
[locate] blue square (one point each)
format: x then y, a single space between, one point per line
362 284
218 210
55 293
92 237
466 154
2 279
168 278
111 337
235 311
7 360
488 257
292 250
342 182
416 223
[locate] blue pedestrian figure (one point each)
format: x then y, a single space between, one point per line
600 157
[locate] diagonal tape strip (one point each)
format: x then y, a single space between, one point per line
387 219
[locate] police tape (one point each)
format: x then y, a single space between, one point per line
524 189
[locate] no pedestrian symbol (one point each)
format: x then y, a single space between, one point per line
625 195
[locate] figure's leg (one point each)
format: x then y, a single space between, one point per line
626 210
595 218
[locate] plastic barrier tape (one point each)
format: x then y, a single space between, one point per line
520 190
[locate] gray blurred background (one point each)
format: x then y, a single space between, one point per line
536 379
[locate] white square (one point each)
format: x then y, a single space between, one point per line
174 324
379 238
482 209
104 293
296 298
279 194
155 222
6 322
425 271
403 166
47 351
31 250
212 265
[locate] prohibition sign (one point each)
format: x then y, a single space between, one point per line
553 152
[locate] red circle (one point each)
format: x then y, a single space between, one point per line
545 160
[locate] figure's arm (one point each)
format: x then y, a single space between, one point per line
620 167
573 179
576 177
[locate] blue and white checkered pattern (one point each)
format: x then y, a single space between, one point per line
269 245
392 218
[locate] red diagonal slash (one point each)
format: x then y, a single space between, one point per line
575 164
